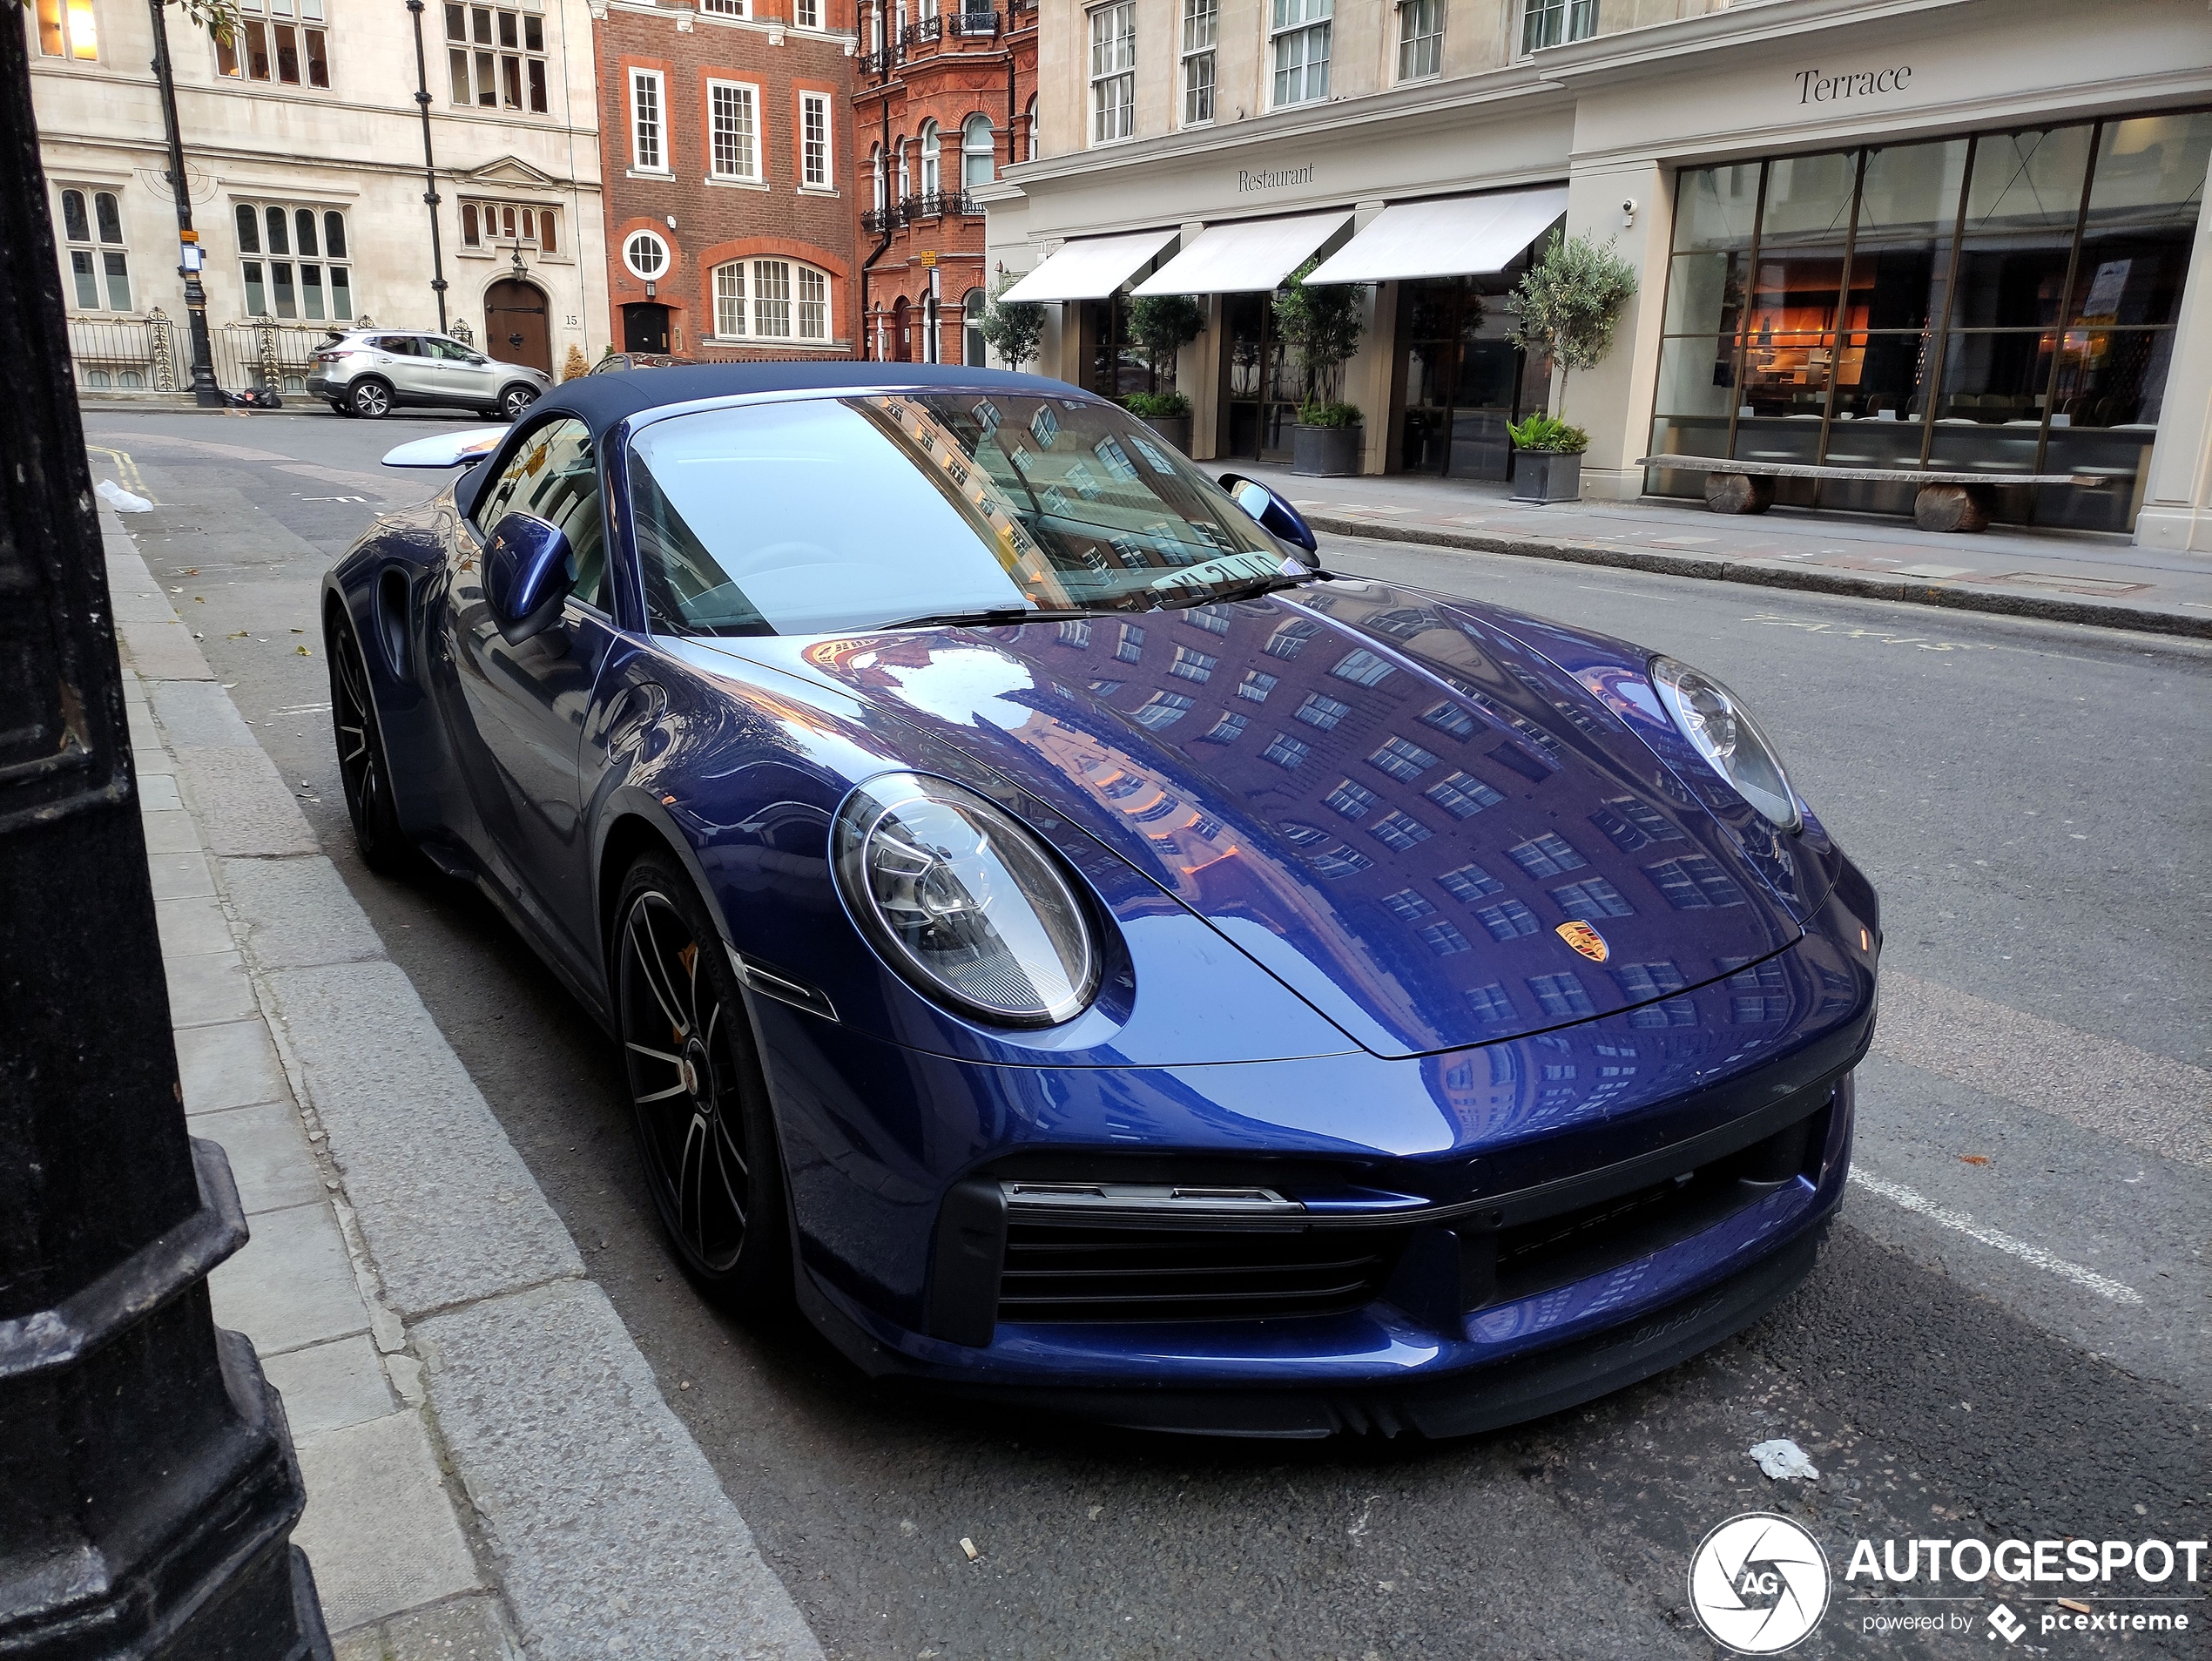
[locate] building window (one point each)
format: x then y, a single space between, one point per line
932 174
98 266
814 140
645 151
645 254
66 30
1421 38
902 170
876 172
978 151
495 55
1201 27
1549 23
732 129
973 353
1300 33
294 262
1113 72
725 8
489 224
932 325
282 41
771 300
807 13
1029 132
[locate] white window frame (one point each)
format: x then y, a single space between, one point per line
817 150
1201 31
495 54
291 289
806 14
987 151
879 168
745 98
59 33
1414 44
649 131
1111 31
931 146
106 260
659 273
1029 132
1298 26
725 8
774 299
1554 22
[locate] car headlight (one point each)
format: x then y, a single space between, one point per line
959 898
1715 723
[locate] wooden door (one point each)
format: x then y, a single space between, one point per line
516 328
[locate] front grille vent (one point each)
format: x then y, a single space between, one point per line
1128 1274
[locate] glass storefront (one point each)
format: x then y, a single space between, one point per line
1464 381
1265 388
2001 302
1119 365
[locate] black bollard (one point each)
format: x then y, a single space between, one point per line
148 1489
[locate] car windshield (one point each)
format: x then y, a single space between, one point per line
818 516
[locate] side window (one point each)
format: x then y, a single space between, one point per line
555 476
398 345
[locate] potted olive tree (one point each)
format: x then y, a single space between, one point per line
1163 325
1321 327
1014 329
1566 308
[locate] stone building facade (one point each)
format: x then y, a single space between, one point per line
946 98
729 216
303 149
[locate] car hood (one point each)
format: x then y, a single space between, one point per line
1375 792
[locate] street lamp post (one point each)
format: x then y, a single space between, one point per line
203 389
148 1489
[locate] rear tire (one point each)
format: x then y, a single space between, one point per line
706 1135
362 767
370 400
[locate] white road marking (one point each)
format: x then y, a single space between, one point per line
1897 1194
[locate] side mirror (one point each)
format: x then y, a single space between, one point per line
526 576
1268 508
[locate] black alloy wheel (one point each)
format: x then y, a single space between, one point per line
361 765
696 1092
372 400
515 399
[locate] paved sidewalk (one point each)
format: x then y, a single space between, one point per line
491 1469
2071 577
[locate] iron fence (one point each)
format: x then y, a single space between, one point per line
976 25
153 354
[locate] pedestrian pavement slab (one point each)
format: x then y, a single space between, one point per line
270 1158
379 1528
168 830
196 714
231 1064
327 1387
158 790
293 1283
461 1629
297 912
179 876
209 989
241 801
191 926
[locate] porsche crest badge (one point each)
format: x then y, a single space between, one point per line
1584 939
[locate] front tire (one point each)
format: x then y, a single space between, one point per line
515 399
362 767
699 1101
370 400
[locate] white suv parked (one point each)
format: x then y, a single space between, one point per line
372 372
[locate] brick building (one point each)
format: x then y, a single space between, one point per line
730 220
946 97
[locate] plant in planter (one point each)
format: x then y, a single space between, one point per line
1014 329
1166 413
1548 465
1163 325
1322 327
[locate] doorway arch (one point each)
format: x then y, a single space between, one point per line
517 326
901 331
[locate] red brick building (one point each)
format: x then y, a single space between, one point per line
947 96
727 138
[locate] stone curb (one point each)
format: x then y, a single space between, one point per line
607 1529
1764 575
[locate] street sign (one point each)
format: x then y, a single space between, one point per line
929 260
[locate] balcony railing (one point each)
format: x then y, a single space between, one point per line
922 30
972 25
882 61
1021 14
878 220
936 204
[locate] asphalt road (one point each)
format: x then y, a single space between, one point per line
2007 1334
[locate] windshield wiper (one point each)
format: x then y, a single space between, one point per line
1251 589
995 619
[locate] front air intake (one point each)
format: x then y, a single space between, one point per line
1056 1272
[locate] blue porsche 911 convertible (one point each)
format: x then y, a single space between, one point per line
1088 955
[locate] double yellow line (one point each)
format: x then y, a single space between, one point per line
127 470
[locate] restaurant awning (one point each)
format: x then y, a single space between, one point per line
1090 267
1243 256
1459 236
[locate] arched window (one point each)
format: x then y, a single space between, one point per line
1029 132
875 171
972 329
978 151
905 191
932 181
771 299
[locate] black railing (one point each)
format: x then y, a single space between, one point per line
877 221
882 61
972 25
923 28
935 205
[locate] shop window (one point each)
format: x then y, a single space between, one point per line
771 300
1299 41
647 153
493 225
814 140
733 130
1113 72
1552 22
1201 28
66 30
99 265
294 262
496 56
284 43
1421 38
978 151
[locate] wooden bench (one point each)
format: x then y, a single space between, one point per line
1944 501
